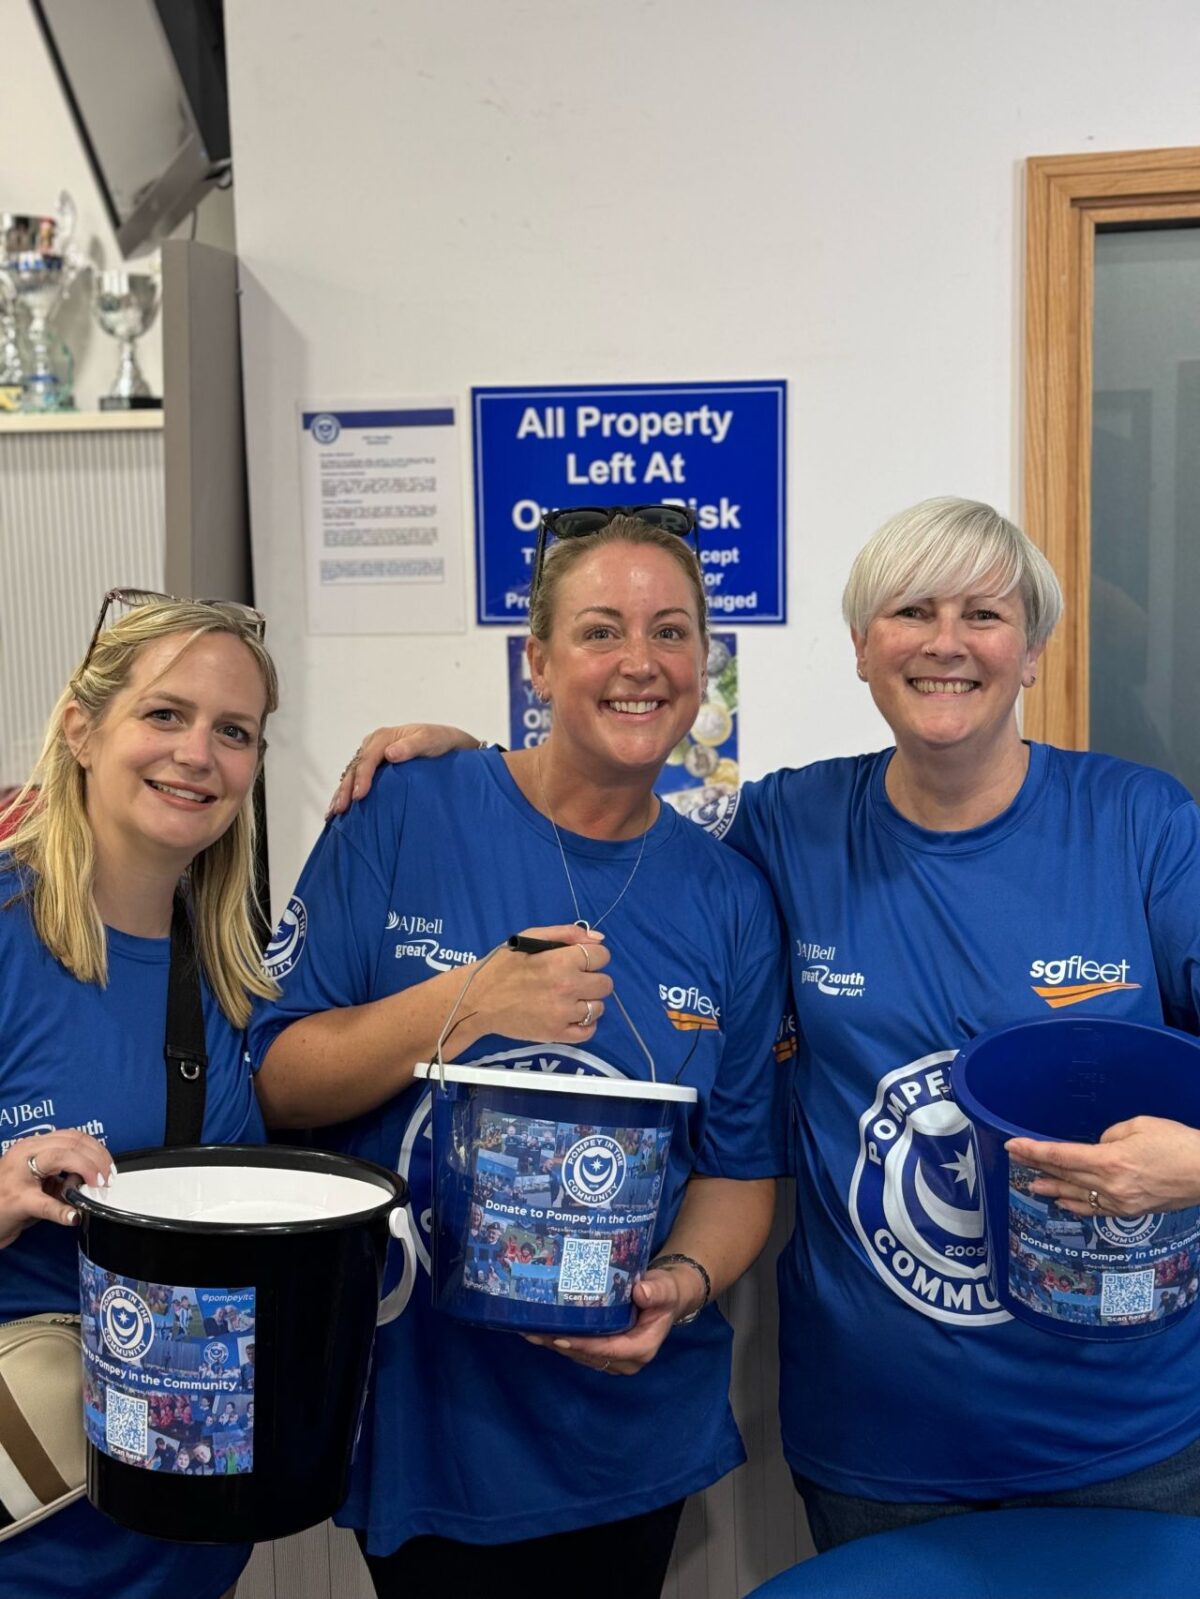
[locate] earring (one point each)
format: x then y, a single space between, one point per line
862 676
542 695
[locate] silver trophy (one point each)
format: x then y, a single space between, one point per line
38 263
11 363
125 305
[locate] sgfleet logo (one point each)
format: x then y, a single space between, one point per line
785 1039
915 1198
688 1009
415 1161
821 971
1071 979
434 953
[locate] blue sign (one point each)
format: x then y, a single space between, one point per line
718 447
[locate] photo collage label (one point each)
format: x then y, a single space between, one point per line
168 1373
1099 1271
561 1213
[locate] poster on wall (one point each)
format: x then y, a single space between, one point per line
381 506
702 769
718 447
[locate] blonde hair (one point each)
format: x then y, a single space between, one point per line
567 553
952 546
53 838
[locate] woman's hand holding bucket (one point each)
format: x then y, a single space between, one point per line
662 1297
31 1175
1145 1164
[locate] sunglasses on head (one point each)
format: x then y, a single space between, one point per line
132 599
576 522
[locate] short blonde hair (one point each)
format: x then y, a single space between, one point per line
54 840
952 546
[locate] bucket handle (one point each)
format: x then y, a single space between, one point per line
401 1228
509 943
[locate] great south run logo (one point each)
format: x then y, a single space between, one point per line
821 967
915 1198
1071 979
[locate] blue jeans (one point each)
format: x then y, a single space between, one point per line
1171 1486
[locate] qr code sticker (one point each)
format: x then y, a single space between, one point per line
585 1266
1127 1293
125 1423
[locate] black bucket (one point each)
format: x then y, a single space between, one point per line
229 1297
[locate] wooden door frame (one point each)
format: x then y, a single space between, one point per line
1066 197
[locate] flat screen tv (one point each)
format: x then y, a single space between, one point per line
145 81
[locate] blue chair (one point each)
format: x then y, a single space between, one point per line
1007 1554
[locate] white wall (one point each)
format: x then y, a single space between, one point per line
431 195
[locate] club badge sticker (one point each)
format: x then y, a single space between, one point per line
593 1170
168 1373
126 1325
915 1198
287 942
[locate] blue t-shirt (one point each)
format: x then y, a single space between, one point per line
475 1434
905 943
73 1054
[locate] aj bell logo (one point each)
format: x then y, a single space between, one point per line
1071 979
404 923
915 1197
821 971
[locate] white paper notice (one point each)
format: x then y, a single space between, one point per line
382 509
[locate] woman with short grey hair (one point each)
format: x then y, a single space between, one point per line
929 890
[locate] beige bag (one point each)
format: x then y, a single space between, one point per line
41 1419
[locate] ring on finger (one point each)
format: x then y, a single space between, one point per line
607 1366
37 1171
587 960
587 1014
1093 1198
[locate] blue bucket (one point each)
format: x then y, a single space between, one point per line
546 1190
1094 1277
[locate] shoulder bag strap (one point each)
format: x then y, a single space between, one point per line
184 1050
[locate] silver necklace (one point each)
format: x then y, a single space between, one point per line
580 919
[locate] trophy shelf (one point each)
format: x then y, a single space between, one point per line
80 421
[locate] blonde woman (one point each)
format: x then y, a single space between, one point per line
141 798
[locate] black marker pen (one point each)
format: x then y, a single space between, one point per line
533 946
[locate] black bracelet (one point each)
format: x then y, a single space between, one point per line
686 1260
